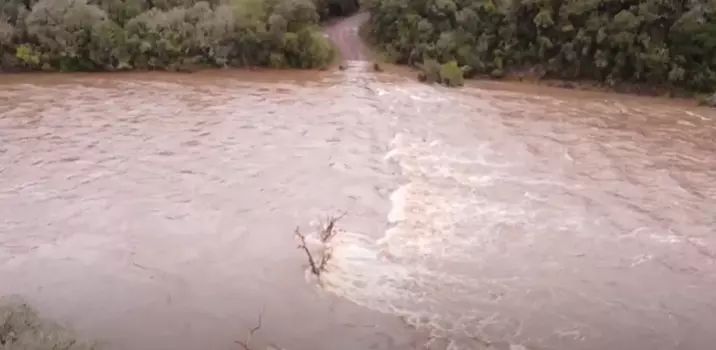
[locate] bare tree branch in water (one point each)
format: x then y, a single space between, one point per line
302 245
329 227
246 344
327 232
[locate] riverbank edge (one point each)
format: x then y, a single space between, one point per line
531 79
181 68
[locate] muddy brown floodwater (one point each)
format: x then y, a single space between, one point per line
155 211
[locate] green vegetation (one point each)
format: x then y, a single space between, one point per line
22 329
449 74
110 35
669 44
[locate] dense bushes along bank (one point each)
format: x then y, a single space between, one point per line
107 35
664 43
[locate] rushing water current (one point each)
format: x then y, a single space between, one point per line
156 211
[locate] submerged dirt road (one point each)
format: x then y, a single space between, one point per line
156 211
344 34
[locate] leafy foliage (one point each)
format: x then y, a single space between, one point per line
658 42
451 74
99 35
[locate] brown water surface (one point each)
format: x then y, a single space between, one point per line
155 211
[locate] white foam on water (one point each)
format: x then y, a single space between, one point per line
402 273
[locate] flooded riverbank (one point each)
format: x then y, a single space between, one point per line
156 211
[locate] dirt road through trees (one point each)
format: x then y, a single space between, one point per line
344 33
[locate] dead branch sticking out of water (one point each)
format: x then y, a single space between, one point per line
246 344
327 232
302 245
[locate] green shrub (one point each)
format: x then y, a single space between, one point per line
430 71
27 55
451 74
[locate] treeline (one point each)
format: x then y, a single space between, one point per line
109 35
663 43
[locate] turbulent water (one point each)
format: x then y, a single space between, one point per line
157 211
